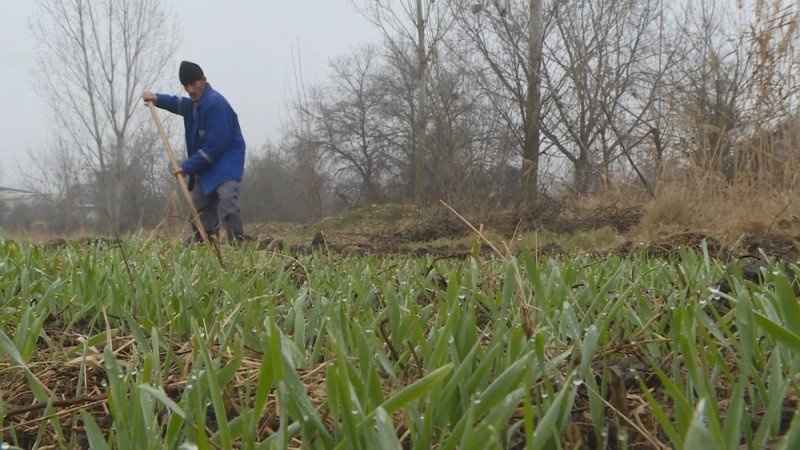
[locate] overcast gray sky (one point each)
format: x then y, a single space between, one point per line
245 48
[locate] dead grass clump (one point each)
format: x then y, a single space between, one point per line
594 240
723 210
671 208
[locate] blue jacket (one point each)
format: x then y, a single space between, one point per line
214 141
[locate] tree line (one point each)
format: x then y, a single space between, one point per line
481 103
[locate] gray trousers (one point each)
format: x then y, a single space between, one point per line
222 203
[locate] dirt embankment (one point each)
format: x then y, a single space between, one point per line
558 225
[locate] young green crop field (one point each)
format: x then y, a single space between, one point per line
151 345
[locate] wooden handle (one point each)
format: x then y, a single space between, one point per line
182 182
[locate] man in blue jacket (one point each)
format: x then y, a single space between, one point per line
215 147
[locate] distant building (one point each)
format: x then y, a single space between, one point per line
21 209
12 198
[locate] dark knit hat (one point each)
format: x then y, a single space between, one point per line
189 72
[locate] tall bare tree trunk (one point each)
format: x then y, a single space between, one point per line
412 26
530 152
95 123
419 122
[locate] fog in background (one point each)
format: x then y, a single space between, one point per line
483 104
249 50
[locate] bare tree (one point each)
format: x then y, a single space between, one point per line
348 122
773 93
737 86
601 81
97 58
299 142
398 107
533 99
306 159
275 190
423 23
508 36
468 142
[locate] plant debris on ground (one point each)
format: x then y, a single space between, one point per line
398 327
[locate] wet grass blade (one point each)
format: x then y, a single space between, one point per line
779 333
547 429
698 435
162 397
7 347
416 390
387 436
93 433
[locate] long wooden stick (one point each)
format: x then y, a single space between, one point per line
182 182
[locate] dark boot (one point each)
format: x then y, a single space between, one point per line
197 238
193 238
234 228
